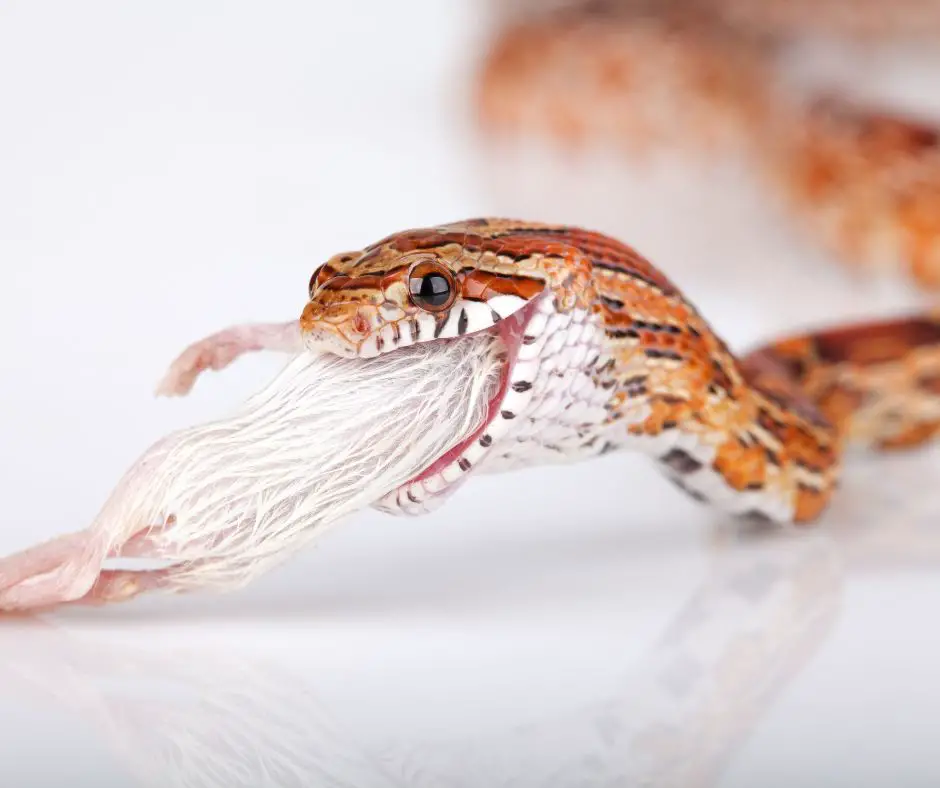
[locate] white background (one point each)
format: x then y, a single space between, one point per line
167 169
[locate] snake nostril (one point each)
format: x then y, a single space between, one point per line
360 324
345 318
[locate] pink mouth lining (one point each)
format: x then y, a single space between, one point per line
511 331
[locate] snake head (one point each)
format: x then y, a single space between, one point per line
525 283
417 286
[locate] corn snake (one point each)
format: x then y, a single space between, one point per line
621 359
603 352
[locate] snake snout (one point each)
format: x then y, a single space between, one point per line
339 328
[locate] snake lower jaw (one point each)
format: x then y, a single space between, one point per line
547 408
434 485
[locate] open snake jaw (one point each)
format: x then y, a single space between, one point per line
547 408
435 484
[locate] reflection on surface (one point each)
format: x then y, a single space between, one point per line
220 716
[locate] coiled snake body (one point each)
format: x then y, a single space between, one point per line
710 76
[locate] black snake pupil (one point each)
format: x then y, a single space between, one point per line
431 289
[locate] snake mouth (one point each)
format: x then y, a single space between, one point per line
518 335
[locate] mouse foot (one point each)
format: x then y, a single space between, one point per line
222 348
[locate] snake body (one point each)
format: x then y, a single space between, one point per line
603 352
709 76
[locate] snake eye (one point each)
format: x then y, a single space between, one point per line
431 286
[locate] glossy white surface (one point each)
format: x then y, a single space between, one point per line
168 169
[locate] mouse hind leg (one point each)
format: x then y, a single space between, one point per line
222 348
